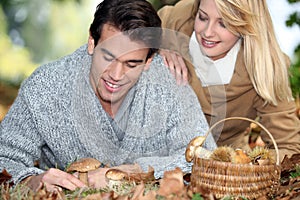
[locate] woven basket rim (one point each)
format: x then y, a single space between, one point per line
230 164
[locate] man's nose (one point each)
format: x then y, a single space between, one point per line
117 70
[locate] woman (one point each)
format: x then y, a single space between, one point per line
236 69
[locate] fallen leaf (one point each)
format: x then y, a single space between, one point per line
4 176
172 183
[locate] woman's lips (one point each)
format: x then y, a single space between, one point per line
209 44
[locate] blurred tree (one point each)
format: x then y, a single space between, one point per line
42 32
29 23
11 71
294 20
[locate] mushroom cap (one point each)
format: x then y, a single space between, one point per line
116 175
190 150
84 165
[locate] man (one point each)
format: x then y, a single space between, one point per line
103 101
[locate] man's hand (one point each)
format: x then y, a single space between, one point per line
97 178
54 180
176 65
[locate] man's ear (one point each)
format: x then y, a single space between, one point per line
91 45
148 63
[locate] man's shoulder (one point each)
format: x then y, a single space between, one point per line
55 76
158 73
159 78
57 70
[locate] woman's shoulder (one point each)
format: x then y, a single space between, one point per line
172 17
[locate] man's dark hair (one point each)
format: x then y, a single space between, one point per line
136 18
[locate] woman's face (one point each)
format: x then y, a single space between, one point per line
214 39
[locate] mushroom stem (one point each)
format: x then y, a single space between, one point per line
83 176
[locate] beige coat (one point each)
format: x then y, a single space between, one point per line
238 98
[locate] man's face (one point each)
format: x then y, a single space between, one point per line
117 64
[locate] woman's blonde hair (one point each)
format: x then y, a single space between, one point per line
266 63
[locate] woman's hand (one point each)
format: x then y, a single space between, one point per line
176 65
54 180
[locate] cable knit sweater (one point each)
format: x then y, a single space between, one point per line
57 118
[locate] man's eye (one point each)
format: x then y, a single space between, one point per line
108 58
131 65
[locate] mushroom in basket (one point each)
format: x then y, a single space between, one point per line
195 148
82 166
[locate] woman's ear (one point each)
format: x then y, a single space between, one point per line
91 45
148 63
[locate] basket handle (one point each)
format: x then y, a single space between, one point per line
253 121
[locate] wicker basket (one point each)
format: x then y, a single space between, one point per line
238 180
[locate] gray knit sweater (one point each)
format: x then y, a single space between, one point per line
57 119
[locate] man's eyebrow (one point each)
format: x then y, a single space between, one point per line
127 61
107 52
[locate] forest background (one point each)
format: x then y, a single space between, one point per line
33 32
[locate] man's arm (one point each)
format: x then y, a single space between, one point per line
19 141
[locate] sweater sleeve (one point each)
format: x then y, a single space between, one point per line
186 122
19 142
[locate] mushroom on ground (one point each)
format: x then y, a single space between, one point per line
116 177
82 166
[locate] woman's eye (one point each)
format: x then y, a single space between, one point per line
222 25
202 18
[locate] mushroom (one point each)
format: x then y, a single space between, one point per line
82 166
241 157
192 146
116 177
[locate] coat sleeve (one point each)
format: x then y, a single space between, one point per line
19 142
172 17
282 122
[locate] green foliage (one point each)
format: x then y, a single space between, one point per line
69 30
295 73
197 196
294 19
296 173
15 62
293 1
48 34
295 79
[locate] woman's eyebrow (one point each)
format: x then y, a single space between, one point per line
202 11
